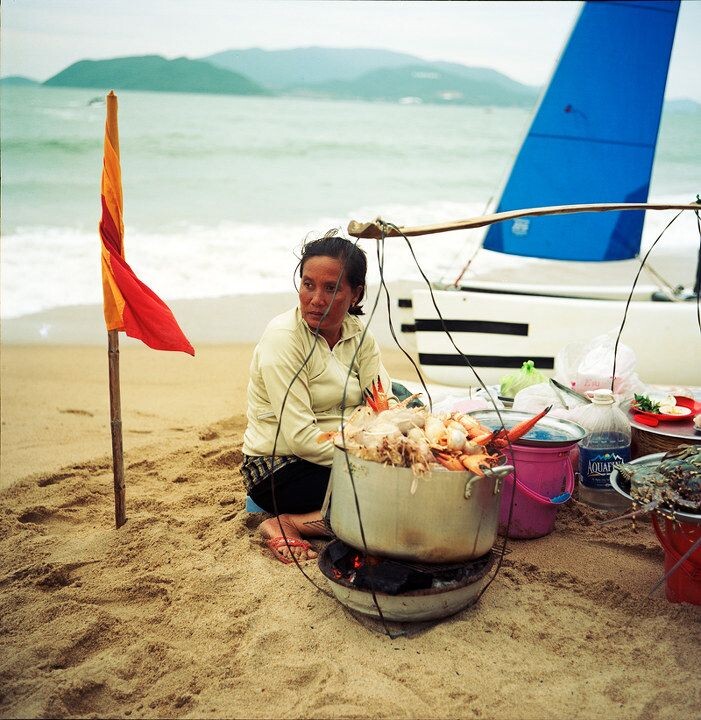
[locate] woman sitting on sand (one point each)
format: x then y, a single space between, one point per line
308 365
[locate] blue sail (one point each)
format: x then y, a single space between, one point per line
593 137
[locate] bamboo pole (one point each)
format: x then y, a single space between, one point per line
375 228
120 512
120 505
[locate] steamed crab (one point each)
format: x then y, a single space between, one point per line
412 437
673 484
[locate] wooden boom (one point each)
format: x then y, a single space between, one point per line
375 228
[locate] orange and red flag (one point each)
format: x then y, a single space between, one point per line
129 305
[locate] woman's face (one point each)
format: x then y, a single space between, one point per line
316 295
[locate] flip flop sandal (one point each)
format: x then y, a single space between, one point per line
277 543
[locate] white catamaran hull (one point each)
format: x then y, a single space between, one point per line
498 331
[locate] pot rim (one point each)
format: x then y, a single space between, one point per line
500 470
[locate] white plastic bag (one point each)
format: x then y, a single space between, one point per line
589 366
456 403
535 398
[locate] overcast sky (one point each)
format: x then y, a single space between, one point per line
520 39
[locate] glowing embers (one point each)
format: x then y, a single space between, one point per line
404 591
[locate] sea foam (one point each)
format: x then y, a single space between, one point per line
46 267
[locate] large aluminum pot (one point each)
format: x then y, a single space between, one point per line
451 517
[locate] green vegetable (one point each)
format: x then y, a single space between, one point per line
643 402
525 377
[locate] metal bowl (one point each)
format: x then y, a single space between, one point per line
622 487
549 432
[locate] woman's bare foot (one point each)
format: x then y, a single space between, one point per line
294 528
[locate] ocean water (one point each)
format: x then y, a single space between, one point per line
220 192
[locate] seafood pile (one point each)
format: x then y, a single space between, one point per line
673 484
415 438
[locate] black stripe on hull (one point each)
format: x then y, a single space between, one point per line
473 326
524 293
495 361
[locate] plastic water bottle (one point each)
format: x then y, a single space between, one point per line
606 445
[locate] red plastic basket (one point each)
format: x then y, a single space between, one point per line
676 537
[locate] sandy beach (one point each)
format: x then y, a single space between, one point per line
184 613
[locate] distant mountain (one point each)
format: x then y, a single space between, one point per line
18 80
155 73
422 83
374 75
277 69
488 75
684 106
311 72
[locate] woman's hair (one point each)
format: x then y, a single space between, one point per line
351 256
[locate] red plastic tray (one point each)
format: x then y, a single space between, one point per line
682 401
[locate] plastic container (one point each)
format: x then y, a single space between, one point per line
544 481
606 445
684 585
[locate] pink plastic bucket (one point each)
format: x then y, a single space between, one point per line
541 474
